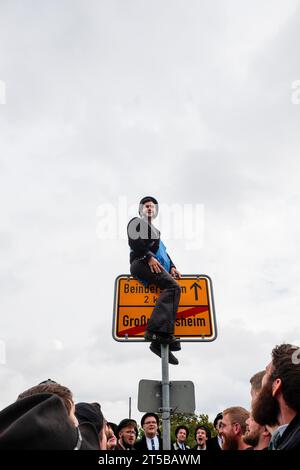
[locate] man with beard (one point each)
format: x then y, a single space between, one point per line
256 384
126 433
256 435
202 434
233 427
279 398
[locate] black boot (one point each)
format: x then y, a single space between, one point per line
156 349
162 338
175 346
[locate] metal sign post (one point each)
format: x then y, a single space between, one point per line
195 322
166 423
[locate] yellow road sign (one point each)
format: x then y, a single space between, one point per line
133 305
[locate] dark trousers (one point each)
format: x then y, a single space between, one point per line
164 313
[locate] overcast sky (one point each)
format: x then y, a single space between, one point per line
108 101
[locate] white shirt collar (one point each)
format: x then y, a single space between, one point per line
282 428
149 444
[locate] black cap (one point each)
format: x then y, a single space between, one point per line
147 199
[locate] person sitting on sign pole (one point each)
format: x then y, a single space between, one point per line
151 264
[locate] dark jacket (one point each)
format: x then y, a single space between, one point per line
141 445
290 439
143 239
41 422
213 444
121 446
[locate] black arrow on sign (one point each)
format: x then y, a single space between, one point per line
195 286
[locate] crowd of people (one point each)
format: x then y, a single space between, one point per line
45 417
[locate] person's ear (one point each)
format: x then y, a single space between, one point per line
237 428
276 387
266 433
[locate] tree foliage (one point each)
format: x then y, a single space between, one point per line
191 421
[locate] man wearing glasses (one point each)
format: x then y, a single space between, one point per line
150 440
126 433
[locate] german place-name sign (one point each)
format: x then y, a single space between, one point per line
133 305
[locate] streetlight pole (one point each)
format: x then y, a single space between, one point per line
129 414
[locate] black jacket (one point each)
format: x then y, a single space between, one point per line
143 239
213 444
290 439
141 445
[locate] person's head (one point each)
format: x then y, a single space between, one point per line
127 432
111 439
148 207
281 386
150 423
41 422
113 427
181 433
256 384
202 434
218 421
50 386
256 434
233 427
91 413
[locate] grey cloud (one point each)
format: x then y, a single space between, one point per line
6 242
187 102
10 283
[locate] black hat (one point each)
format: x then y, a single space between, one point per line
147 199
182 427
148 415
91 413
41 422
205 428
124 423
217 418
113 426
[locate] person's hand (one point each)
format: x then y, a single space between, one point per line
175 273
154 265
